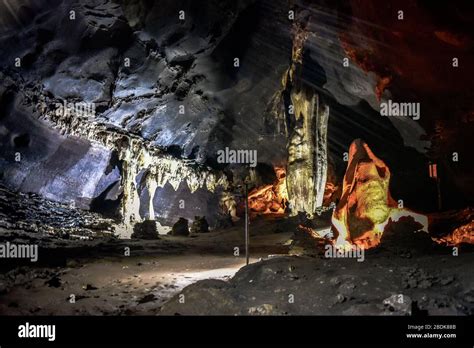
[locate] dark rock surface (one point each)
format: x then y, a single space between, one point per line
180 228
318 286
145 230
199 225
139 64
32 213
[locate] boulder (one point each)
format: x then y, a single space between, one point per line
180 228
145 230
199 225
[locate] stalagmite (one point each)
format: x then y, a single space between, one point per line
307 160
307 143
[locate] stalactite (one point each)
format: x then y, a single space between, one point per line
136 155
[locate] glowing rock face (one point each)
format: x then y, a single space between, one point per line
270 199
462 234
366 204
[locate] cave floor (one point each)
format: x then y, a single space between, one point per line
103 281
126 286
398 278
216 284
384 284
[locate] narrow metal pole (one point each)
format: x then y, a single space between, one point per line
247 236
438 187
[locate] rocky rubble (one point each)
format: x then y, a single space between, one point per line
32 213
22 276
318 286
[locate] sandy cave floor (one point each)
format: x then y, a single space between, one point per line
105 282
392 280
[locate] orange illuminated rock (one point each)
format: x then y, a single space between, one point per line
462 234
366 205
270 199
453 227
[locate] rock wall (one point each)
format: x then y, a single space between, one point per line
140 68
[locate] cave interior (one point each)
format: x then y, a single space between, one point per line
217 150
